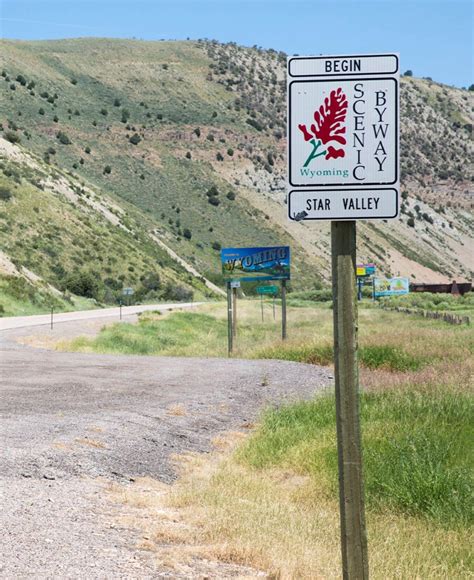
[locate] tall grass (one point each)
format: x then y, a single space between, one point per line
418 458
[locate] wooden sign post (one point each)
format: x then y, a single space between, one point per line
343 151
234 311
283 310
351 489
230 334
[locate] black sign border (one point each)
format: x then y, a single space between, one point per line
386 217
352 185
343 56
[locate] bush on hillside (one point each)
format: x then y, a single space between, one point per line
5 193
83 284
63 138
107 170
178 293
12 137
135 139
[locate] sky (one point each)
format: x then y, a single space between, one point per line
434 38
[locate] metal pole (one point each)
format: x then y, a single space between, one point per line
274 307
120 302
234 312
261 304
351 492
229 321
283 310
52 313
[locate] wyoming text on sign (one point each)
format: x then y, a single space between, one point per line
253 264
343 134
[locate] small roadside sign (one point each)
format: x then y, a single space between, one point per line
365 270
267 289
343 135
235 284
128 291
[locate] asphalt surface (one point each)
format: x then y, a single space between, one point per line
72 423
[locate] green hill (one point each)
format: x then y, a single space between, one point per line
185 141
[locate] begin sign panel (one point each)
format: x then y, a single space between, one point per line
343 154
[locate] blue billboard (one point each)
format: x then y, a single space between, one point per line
255 264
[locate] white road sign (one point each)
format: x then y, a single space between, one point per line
343 133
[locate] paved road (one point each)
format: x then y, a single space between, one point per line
73 422
10 322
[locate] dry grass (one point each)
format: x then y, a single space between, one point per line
176 410
276 521
90 442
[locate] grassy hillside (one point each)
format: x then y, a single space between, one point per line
187 139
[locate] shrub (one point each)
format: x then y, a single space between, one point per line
230 152
87 150
178 293
255 124
197 131
107 170
408 73
125 115
5 193
63 138
219 157
135 139
41 111
55 118
104 112
187 233
21 79
116 103
12 137
231 195
216 246
188 155
151 281
411 222
83 284
74 81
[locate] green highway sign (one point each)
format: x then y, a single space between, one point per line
267 289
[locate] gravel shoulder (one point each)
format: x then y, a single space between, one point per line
72 423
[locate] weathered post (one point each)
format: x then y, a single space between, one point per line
120 306
261 304
351 492
273 306
230 345
234 312
283 310
52 313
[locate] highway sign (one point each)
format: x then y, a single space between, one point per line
256 264
267 289
235 284
128 291
343 133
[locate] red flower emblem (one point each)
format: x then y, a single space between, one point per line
328 126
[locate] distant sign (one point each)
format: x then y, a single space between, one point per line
235 284
255 264
267 289
343 125
365 270
390 286
128 291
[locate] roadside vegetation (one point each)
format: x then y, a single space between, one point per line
269 500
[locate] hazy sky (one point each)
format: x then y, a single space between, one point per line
434 38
